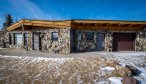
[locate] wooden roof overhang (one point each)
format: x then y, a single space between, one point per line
108 25
39 24
80 25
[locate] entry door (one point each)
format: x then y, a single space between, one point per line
100 41
36 41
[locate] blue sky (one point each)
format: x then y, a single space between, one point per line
74 9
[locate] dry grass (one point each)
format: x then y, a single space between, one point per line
73 70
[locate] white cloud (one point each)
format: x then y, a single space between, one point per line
29 8
1 23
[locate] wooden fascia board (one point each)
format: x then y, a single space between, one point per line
52 24
107 28
14 26
110 22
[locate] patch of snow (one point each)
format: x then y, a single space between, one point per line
142 75
123 53
79 79
108 68
3 48
115 80
101 82
60 82
34 59
134 59
130 54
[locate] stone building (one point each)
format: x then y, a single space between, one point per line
3 39
68 36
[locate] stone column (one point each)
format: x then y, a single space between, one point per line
108 41
139 42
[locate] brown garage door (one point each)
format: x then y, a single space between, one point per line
123 41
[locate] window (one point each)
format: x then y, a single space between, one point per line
26 38
54 36
90 36
18 39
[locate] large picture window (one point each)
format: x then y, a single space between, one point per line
18 39
90 36
54 36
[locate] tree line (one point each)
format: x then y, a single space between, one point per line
7 22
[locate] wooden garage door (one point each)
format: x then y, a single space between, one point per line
123 41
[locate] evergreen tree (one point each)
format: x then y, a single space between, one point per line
8 21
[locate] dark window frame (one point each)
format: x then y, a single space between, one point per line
54 38
90 36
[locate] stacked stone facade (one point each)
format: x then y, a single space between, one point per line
72 40
60 46
81 43
47 45
140 41
108 41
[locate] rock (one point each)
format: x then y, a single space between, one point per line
129 80
122 71
133 69
112 63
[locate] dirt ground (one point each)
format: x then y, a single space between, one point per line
40 70
84 68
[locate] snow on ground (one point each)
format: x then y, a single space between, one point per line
124 53
93 70
136 59
108 68
3 48
115 80
35 59
20 69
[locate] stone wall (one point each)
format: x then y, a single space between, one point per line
72 40
108 41
12 45
3 39
60 46
140 41
81 43
47 45
85 45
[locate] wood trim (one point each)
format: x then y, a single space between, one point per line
82 24
37 23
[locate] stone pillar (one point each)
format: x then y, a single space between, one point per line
108 41
139 42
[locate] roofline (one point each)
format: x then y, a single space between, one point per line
108 20
68 22
46 20
82 20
